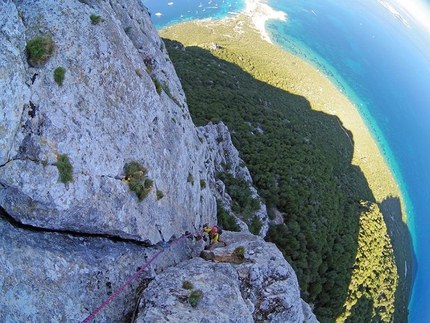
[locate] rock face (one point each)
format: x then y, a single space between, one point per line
224 157
120 101
66 246
260 287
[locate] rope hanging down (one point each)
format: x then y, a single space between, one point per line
165 246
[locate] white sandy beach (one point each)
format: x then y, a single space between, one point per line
260 12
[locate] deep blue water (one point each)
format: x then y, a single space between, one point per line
383 67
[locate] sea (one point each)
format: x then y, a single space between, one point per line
378 55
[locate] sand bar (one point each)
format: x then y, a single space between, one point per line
260 12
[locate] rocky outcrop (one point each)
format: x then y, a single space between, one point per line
224 157
247 281
68 245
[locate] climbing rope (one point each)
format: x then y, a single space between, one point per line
165 246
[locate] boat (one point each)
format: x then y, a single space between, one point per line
158 14
170 3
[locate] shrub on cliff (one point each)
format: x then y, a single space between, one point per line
95 19
39 49
135 176
59 74
64 168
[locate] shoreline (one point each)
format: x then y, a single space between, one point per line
260 12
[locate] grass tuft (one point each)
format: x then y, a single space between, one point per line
135 175
95 19
195 297
187 285
59 73
39 49
239 252
159 195
65 168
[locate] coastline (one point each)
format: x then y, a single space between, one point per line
368 154
260 12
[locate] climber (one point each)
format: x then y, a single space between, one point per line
214 235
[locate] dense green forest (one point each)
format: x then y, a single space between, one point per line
301 163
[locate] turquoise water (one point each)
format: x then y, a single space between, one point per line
383 67
166 12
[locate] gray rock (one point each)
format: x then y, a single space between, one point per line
13 87
106 114
52 277
261 287
165 300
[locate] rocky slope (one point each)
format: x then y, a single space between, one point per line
247 281
66 246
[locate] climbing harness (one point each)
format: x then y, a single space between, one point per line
165 246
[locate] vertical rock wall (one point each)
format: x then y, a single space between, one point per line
120 102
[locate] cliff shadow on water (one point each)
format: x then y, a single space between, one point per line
332 231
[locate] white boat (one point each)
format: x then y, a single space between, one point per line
170 3
158 14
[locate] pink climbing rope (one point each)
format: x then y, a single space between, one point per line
93 314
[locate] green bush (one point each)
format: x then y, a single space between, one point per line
95 19
147 183
195 297
135 175
65 168
39 49
158 86
255 225
187 285
59 73
135 170
239 252
159 195
202 184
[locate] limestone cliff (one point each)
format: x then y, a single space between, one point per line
106 114
67 245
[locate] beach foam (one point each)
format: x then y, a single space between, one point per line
260 13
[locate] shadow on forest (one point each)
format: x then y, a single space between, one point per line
403 252
300 162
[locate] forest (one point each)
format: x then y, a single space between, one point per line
334 234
